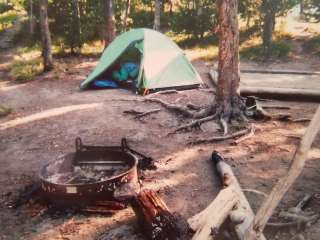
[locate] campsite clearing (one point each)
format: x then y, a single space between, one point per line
184 177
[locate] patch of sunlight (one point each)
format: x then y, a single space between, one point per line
47 114
295 25
202 53
314 153
7 19
4 86
94 48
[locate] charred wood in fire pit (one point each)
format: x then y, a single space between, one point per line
157 222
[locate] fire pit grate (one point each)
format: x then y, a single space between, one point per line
90 174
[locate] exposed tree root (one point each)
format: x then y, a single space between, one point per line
224 126
187 111
301 120
251 133
194 123
237 110
221 138
140 114
171 91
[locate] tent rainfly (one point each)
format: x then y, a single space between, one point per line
162 63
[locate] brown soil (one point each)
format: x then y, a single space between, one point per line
50 112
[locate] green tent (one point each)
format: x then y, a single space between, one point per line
162 63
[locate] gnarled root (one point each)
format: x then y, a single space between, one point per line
140 114
221 138
194 123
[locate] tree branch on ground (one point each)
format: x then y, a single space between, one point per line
277 193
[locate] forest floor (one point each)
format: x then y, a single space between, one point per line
50 112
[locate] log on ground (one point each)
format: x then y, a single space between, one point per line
156 220
243 215
275 93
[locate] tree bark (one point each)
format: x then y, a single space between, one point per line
301 7
77 24
125 19
154 216
228 98
45 36
157 15
268 27
208 222
242 214
31 20
110 29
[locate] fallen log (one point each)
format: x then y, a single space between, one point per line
156 220
278 71
275 93
291 72
207 223
281 93
243 215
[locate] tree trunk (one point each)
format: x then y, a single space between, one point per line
301 7
228 98
45 36
268 27
31 20
76 24
110 29
157 14
125 19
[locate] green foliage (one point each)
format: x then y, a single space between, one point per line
7 19
5 7
313 45
188 40
278 49
195 18
264 12
72 25
313 9
4 111
26 70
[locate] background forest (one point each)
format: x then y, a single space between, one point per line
80 26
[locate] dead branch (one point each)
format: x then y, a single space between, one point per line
173 107
301 120
243 210
221 138
298 162
297 223
251 133
208 221
194 123
140 114
172 91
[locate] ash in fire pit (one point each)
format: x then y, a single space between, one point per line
64 172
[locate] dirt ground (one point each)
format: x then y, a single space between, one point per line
50 112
